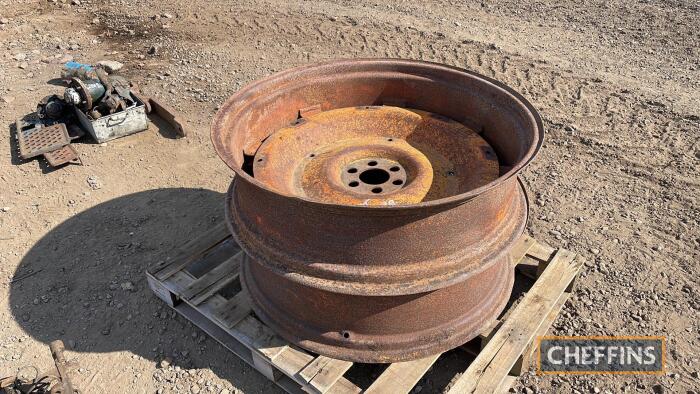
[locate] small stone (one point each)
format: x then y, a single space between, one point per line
111 66
20 56
165 363
95 20
94 182
4 21
225 391
5 209
127 286
22 65
529 390
75 2
153 50
596 390
167 15
106 331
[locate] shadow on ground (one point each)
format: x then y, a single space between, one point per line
84 282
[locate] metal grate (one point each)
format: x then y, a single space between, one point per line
62 155
36 140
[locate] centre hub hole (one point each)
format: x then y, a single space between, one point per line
375 176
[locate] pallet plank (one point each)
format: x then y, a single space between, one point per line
234 310
291 361
323 372
524 360
489 369
191 250
259 338
541 251
211 282
344 386
230 343
521 247
264 367
401 377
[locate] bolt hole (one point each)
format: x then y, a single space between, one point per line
377 190
374 176
312 155
354 184
397 182
352 170
346 334
389 139
450 173
259 160
372 163
394 169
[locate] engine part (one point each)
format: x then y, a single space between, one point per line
52 108
84 94
377 202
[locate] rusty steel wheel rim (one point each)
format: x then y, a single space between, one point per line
377 201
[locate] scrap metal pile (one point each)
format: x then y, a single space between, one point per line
377 202
106 106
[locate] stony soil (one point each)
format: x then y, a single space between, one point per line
618 181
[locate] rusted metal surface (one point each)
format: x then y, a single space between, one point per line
368 275
35 140
63 155
168 115
64 385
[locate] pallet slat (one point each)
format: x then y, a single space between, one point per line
234 310
486 373
524 244
541 251
401 377
323 372
214 280
191 250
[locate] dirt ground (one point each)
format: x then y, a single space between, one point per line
617 84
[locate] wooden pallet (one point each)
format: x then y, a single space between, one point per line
201 283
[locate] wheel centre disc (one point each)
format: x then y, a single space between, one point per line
375 156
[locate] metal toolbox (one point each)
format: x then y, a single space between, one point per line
119 124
